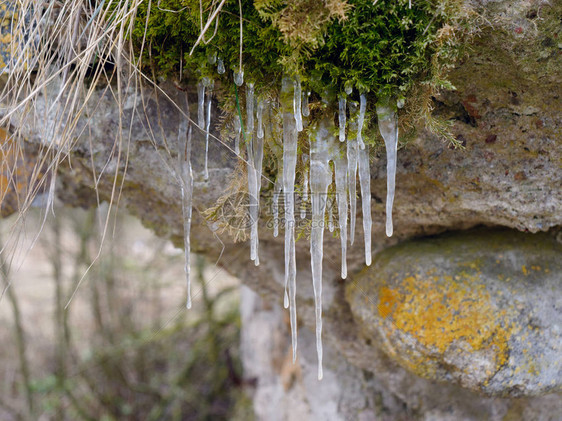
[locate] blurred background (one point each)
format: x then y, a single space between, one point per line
102 333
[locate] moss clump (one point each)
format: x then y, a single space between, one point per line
382 48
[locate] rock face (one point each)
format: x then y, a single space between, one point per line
507 111
483 308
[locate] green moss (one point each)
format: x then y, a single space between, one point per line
380 48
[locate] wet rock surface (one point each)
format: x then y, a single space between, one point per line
506 110
482 308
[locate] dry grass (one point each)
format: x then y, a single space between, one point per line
61 53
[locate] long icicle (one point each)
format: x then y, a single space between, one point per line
209 85
290 136
321 144
186 182
252 173
258 162
352 151
365 183
257 150
340 164
277 188
388 127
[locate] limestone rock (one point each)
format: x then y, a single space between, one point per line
483 308
506 110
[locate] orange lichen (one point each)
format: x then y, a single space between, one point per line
388 299
438 314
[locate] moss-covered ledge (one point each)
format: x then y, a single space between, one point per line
506 112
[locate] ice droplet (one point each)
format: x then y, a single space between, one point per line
239 77
220 66
341 116
348 87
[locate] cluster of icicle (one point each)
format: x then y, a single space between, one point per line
348 153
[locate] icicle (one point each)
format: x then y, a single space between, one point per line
238 130
212 58
259 116
186 182
365 183
201 104
258 162
340 164
348 87
209 85
330 205
297 104
239 77
361 120
352 151
220 66
252 173
341 115
305 108
250 101
250 110
276 193
321 144
304 187
289 165
388 127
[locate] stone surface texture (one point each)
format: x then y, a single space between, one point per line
483 307
507 112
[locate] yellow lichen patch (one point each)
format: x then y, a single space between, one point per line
439 314
524 270
388 299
